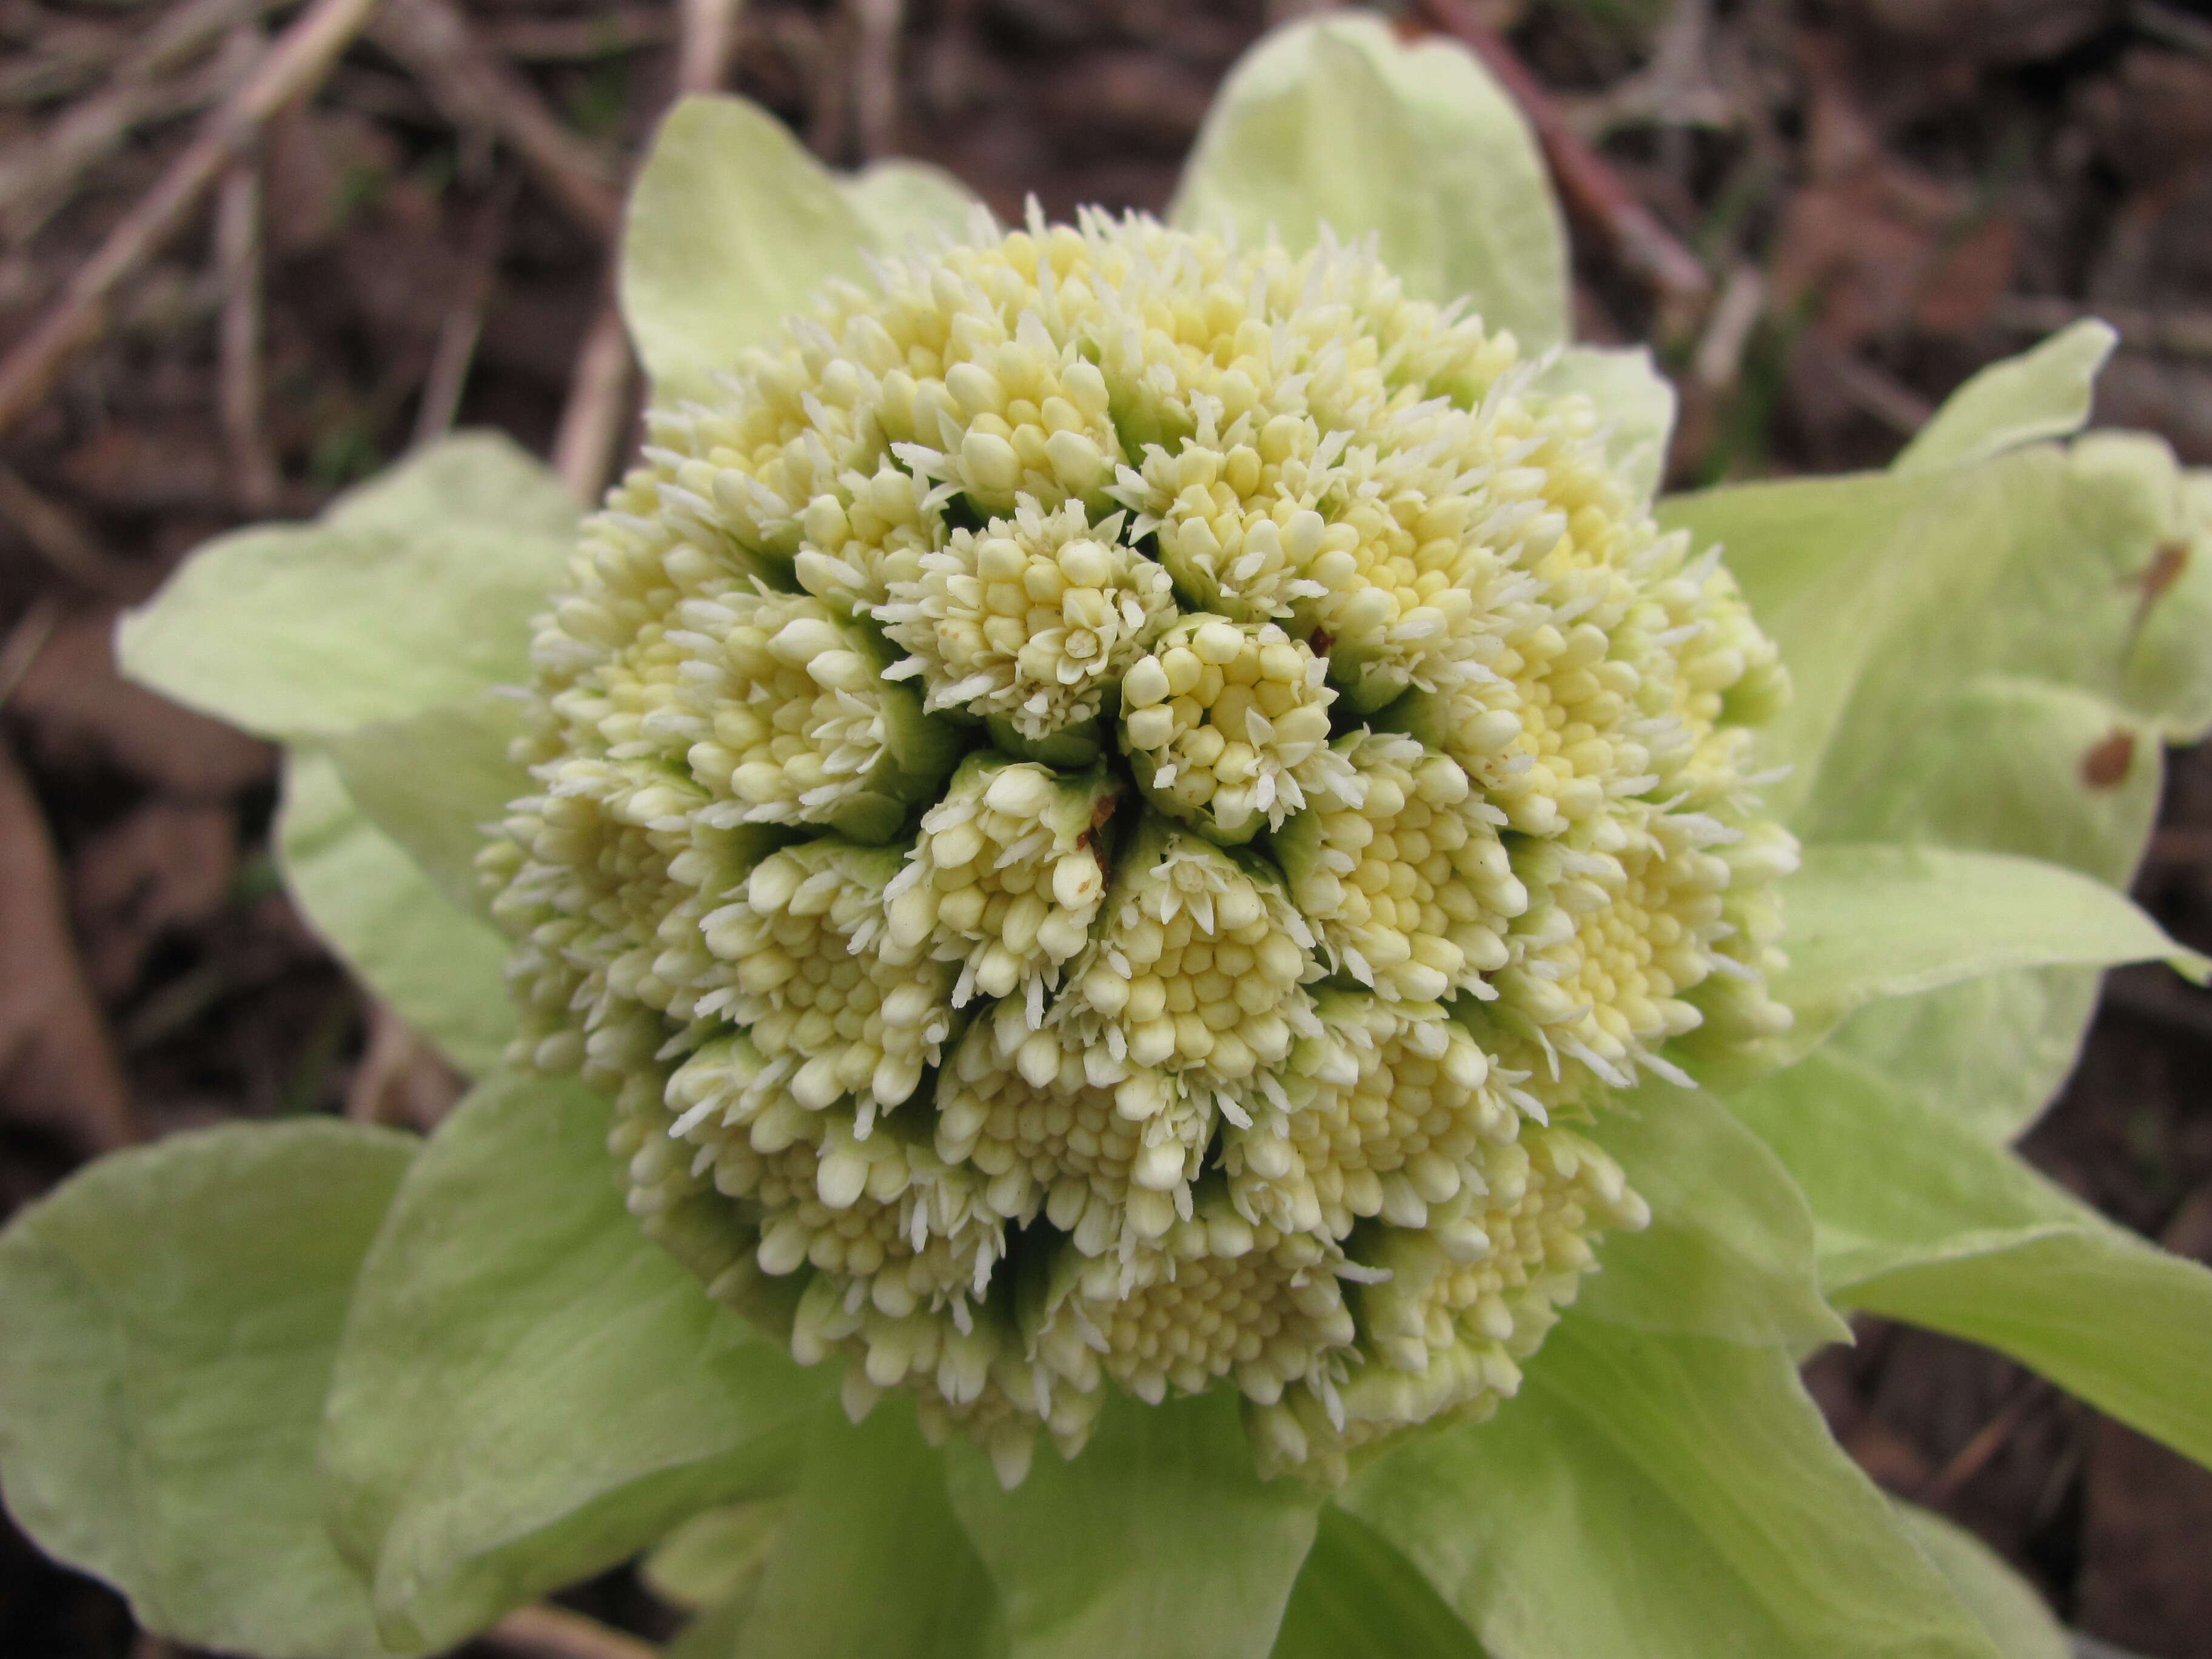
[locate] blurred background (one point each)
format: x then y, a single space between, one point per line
251 251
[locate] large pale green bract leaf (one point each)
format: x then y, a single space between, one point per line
2007 1605
902 204
1730 1249
1357 1598
1337 123
529 1390
414 590
715 1555
1868 922
167 1323
1962 1237
871 1559
2043 393
441 967
1661 1498
1873 922
1158 1539
435 781
1635 404
732 225
1986 657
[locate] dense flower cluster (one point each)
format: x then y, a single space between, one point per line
1103 809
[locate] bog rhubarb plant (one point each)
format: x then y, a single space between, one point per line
1152 966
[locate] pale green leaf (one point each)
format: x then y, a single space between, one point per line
416 590
901 203
714 1634
732 225
2006 642
1357 1598
167 1323
1635 405
1867 922
1730 1249
1812 557
1158 1539
434 782
2042 393
870 1560
1661 1498
442 967
1337 123
2007 1604
529 1390
1989 1054
1921 1220
481 478
714 1556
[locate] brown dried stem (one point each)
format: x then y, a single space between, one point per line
875 74
297 62
475 88
56 536
598 403
1592 189
455 351
548 1632
143 87
238 383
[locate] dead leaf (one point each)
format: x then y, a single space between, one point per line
79 710
167 865
57 1066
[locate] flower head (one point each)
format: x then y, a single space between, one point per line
1348 783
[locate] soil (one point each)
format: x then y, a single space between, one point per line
1855 204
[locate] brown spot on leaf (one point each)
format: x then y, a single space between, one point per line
2164 569
2108 760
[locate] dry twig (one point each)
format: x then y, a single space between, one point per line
709 35
43 174
300 58
1591 188
238 382
476 89
456 347
56 536
876 26
401 1082
605 32
598 405
548 1632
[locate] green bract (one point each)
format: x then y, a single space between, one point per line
856 788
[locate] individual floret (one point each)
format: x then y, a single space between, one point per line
868 1201
1198 964
783 712
1032 619
1405 877
1226 725
1105 1150
828 997
1395 1108
1216 1297
1604 958
1447 1311
871 532
1004 878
